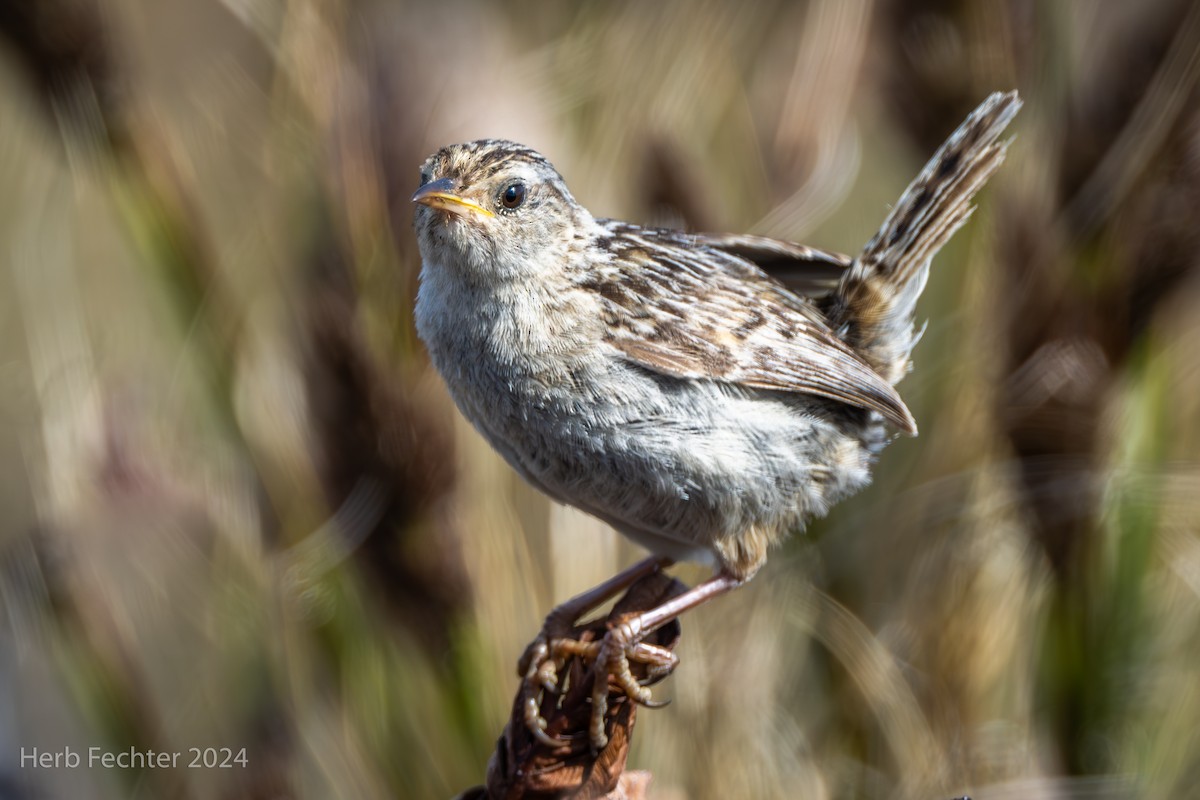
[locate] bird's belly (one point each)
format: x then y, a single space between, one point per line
683 468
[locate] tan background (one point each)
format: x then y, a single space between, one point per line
238 509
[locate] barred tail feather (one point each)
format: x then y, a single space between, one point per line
872 308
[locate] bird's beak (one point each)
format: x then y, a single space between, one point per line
438 194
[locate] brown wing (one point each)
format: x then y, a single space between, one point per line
682 308
804 270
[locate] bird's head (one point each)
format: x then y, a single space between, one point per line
495 209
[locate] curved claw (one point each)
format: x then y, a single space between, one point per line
537 652
536 725
546 740
547 676
596 733
658 661
530 668
654 703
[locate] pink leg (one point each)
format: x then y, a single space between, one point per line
622 641
566 613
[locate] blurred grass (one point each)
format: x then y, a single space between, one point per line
240 511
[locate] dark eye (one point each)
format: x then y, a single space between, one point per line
513 196
424 177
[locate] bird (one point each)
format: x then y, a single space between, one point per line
706 395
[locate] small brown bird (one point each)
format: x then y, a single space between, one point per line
665 382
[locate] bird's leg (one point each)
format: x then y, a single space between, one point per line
623 643
539 665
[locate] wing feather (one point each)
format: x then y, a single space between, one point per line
806 271
691 308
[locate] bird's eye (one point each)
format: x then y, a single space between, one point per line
424 177
513 196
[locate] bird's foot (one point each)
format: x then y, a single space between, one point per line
610 657
539 668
